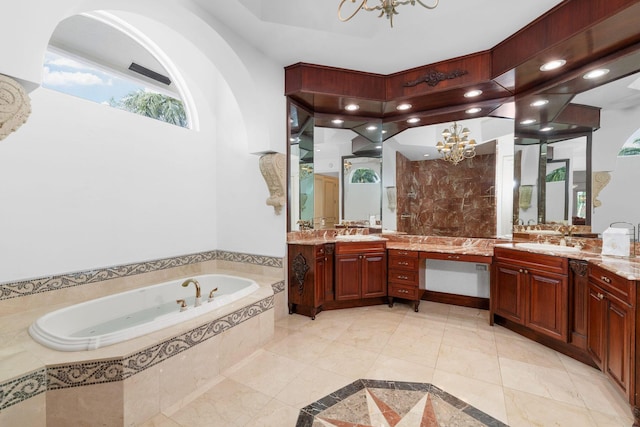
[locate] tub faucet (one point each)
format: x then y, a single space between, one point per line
211 294
195 282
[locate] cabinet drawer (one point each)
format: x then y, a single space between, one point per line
360 247
403 263
550 263
404 277
402 291
403 253
612 283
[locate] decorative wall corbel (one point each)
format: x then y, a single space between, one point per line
15 106
600 180
273 167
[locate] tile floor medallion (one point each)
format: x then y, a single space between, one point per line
392 403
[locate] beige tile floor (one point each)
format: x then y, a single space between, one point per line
507 376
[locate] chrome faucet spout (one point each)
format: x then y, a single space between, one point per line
195 282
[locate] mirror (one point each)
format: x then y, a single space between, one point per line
382 198
550 184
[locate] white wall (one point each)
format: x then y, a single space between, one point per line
85 186
620 201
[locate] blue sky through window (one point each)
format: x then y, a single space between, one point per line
67 75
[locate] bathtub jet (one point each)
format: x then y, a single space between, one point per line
126 315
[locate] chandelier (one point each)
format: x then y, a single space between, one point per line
386 7
456 146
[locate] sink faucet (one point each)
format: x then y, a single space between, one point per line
195 282
531 221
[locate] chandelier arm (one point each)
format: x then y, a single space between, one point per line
427 6
363 4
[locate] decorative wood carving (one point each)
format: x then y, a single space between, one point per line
600 180
578 267
433 77
273 166
15 106
300 269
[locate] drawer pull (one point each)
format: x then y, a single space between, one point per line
403 291
605 279
403 277
403 253
453 257
403 263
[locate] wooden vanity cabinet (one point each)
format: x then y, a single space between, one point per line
361 270
531 290
310 277
611 326
404 276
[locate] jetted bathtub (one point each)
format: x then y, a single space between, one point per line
119 317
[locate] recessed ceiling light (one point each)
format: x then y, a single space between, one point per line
527 122
594 74
378 147
337 121
403 107
384 131
552 65
546 129
539 103
473 93
426 155
413 120
317 150
372 127
473 110
351 107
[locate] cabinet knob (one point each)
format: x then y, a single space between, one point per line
521 271
605 279
526 271
600 296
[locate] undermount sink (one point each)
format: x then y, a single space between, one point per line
547 247
357 237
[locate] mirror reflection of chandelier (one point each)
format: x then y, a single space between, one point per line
456 146
386 7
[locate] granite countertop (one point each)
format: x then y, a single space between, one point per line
627 267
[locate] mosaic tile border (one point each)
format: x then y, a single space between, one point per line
278 287
52 283
308 413
23 388
110 370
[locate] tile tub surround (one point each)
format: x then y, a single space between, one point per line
24 364
378 402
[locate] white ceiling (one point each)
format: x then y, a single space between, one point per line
291 31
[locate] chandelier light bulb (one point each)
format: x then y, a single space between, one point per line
456 146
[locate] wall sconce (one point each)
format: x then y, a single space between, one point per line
391 198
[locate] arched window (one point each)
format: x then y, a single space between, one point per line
632 146
364 176
91 59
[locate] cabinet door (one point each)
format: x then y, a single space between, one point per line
374 275
547 303
618 342
509 295
595 326
348 272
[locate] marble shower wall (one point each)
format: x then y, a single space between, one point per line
437 198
